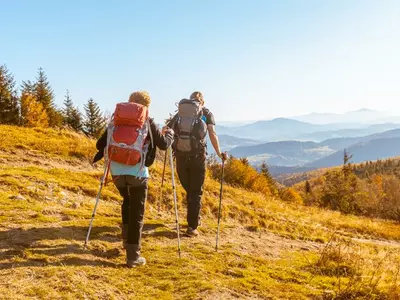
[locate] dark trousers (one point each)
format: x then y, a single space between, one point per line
134 192
191 172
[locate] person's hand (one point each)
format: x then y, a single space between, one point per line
223 156
171 131
164 130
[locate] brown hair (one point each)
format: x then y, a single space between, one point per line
141 97
197 96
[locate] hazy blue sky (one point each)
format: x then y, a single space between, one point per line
251 59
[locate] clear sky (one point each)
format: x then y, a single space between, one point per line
252 59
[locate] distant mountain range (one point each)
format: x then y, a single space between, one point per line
282 129
312 141
365 116
228 142
296 156
375 149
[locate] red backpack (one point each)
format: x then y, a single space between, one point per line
127 134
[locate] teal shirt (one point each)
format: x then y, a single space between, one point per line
118 169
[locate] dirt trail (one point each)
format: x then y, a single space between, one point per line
24 158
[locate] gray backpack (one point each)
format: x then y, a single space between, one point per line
190 128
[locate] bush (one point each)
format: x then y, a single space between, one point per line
239 173
290 195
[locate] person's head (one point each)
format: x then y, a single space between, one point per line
141 97
198 97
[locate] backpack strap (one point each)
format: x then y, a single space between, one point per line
107 158
146 150
150 133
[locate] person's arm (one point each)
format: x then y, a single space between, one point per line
163 142
100 146
102 141
214 140
170 124
210 121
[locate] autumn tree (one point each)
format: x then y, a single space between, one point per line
32 112
43 93
94 121
9 110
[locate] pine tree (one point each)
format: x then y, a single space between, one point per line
71 115
265 172
43 91
76 120
307 187
32 112
94 120
27 87
9 110
346 163
245 161
45 95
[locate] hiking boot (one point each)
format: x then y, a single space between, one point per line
192 232
133 258
140 261
124 235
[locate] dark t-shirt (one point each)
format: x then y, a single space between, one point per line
208 116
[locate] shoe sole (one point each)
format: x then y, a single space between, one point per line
191 235
135 266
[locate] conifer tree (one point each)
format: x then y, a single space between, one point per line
265 172
245 161
27 87
43 91
45 95
71 114
94 120
32 112
9 110
346 163
307 187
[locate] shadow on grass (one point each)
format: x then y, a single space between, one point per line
21 244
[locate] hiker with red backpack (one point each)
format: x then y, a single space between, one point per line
129 147
191 125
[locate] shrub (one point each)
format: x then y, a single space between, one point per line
239 173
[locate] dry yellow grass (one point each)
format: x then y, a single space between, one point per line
269 249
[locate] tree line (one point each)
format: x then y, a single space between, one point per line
370 189
33 105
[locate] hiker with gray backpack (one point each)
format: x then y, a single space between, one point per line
129 148
191 124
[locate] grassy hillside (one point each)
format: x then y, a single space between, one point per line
269 249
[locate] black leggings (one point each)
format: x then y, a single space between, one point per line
192 171
134 192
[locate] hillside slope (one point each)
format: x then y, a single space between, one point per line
269 249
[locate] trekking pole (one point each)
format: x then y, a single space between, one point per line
162 181
175 203
102 181
220 204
